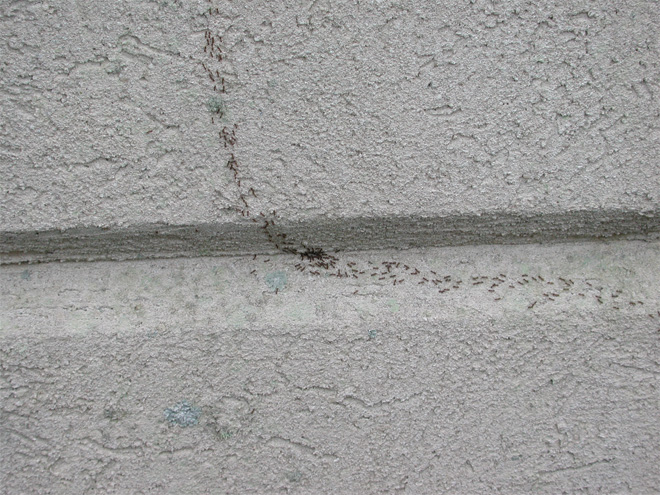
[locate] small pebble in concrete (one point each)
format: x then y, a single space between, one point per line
183 414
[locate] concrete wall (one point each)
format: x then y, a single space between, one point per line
235 375
515 120
440 266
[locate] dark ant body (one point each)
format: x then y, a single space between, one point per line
313 254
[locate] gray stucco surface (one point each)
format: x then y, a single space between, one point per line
237 375
393 182
543 117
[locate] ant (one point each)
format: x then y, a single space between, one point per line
313 254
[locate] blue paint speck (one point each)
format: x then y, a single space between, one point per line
276 280
183 414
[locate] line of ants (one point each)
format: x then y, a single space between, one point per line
228 136
315 260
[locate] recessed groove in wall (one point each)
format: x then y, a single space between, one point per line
342 234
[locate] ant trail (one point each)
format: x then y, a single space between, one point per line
228 136
538 289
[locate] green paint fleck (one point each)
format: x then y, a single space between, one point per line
225 433
393 304
276 280
373 334
294 476
216 105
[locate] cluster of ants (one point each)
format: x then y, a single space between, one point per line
315 261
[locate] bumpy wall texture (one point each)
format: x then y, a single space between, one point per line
512 145
142 128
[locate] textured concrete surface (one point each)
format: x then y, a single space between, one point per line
509 369
123 119
310 139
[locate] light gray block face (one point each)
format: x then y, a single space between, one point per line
345 113
436 108
104 116
237 375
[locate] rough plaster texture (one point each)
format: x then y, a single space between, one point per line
535 370
162 129
503 120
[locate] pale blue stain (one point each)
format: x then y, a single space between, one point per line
183 414
276 280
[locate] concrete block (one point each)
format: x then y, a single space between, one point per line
510 369
160 129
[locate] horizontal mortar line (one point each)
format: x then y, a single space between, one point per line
158 240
